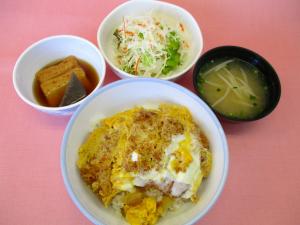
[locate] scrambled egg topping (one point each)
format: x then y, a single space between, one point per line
183 156
139 149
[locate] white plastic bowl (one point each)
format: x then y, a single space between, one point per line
142 7
46 51
122 95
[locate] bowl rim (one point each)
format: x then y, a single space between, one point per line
128 75
41 41
268 110
115 84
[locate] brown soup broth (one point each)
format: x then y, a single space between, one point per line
89 70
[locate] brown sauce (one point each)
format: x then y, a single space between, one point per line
89 70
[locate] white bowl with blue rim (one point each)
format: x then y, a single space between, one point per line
125 94
49 50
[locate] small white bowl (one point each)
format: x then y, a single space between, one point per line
142 7
122 95
46 51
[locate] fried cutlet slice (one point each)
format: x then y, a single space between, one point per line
53 71
54 88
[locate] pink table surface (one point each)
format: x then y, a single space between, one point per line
263 185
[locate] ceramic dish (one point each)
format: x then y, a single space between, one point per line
143 7
46 51
271 79
119 96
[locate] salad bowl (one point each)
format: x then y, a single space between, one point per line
165 11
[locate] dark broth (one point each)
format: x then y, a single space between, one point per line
89 70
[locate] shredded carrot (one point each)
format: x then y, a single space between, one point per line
181 27
136 66
141 25
129 33
124 49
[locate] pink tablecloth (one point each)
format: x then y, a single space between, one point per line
263 185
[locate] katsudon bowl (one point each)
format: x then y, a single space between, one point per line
49 50
117 97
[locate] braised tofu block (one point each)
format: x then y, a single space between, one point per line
54 88
74 92
53 71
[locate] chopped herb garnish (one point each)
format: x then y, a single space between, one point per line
235 87
254 104
147 59
173 45
201 80
218 89
141 35
252 97
128 68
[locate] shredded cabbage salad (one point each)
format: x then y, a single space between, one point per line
146 46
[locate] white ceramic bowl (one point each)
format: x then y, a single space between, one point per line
46 51
142 7
122 95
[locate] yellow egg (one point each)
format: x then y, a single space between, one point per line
143 213
182 156
118 159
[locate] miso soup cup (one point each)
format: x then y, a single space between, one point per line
270 75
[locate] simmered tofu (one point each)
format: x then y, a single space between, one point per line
52 71
54 88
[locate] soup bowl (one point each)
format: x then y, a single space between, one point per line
270 76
